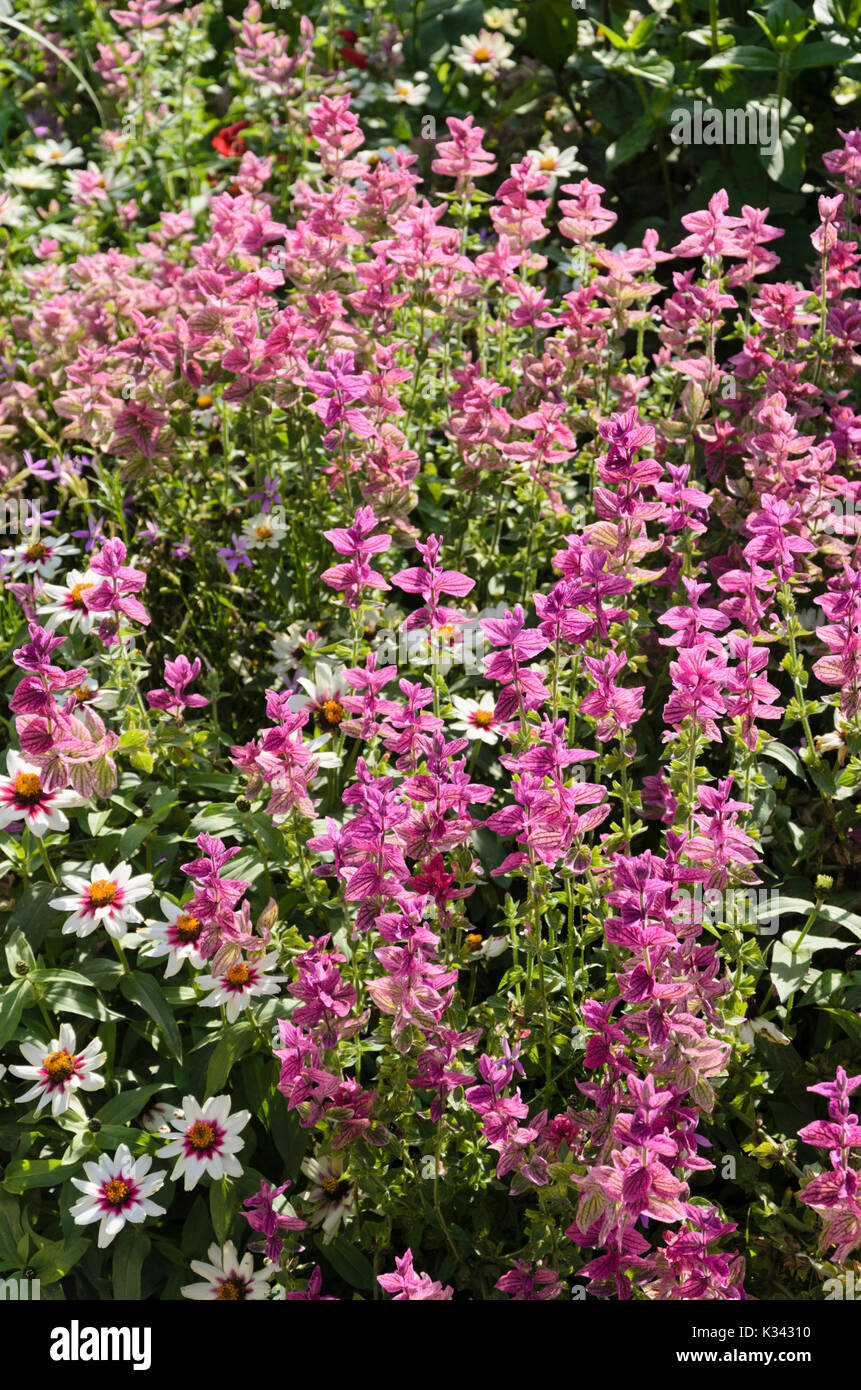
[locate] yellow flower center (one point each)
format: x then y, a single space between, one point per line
473 941
204 402
446 631
75 595
483 718
60 1066
481 54
102 892
201 1136
187 927
82 693
264 533
335 1187
238 975
37 551
547 161
331 712
28 788
230 1291
116 1192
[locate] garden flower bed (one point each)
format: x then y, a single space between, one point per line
430 851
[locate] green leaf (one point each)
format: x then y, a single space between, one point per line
127 1105
220 1210
787 970
12 1230
819 55
631 143
350 1263
132 738
143 990
18 950
784 755
12 1000
849 1022
24 1173
132 1248
54 1259
743 56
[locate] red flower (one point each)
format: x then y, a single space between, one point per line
225 142
348 53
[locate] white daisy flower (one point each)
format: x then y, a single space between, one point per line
176 938
56 152
104 897
158 1117
90 695
265 531
66 604
323 696
61 1071
484 52
42 557
117 1190
477 718
227 1278
403 92
22 797
555 163
13 210
207 1140
236 986
29 176
332 1194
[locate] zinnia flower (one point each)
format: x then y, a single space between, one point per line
23 798
105 897
241 982
61 1071
206 1140
227 1278
117 1190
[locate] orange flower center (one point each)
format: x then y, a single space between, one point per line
483 718
102 892
201 1136
28 787
547 161
37 551
204 402
187 927
60 1066
264 533
230 1291
82 693
473 941
116 1192
331 713
481 54
75 595
238 975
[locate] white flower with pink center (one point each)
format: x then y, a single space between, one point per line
60 1071
241 982
477 718
117 1189
22 797
176 938
206 1140
65 602
105 898
228 1279
40 556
